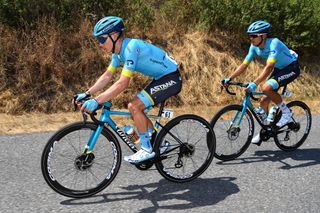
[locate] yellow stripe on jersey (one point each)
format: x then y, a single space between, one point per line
112 68
246 62
127 73
272 60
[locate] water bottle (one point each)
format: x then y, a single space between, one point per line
272 113
261 113
134 137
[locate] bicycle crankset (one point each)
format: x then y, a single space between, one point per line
265 135
145 165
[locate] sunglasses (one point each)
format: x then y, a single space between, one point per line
102 39
254 35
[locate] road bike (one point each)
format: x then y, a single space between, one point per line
83 158
234 126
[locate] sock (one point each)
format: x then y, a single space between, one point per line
145 141
283 107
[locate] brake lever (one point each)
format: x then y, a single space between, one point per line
85 117
74 103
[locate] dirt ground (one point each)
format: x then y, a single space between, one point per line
39 122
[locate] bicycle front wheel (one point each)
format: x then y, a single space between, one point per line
232 139
297 130
186 146
73 173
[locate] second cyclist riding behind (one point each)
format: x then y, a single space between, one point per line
282 67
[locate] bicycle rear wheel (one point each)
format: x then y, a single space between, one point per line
232 140
189 148
296 131
69 171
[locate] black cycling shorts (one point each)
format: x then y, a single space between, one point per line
159 90
281 77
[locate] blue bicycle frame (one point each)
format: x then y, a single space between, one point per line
246 103
105 120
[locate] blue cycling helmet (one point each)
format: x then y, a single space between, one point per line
108 25
259 27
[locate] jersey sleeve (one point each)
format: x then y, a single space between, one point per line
249 56
274 51
115 63
131 54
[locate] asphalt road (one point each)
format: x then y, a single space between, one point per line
264 179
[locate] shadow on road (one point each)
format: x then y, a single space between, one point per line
168 195
304 158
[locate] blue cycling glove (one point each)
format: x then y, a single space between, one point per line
225 82
252 86
91 105
82 96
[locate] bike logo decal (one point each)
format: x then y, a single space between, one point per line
49 161
125 138
114 160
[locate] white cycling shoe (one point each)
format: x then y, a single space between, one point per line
285 118
139 156
256 139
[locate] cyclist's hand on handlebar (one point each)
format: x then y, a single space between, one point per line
251 87
225 82
89 106
81 96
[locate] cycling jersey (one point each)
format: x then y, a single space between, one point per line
274 51
143 57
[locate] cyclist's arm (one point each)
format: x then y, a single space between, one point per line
114 90
101 82
106 77
267 70
240 69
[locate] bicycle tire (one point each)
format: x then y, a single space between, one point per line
225 136
173 165
283 140
63 144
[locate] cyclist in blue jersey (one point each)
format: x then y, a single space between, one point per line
281 65
135 56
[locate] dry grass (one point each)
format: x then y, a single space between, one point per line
39 122
42 69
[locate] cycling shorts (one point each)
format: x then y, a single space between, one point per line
159 90
281 77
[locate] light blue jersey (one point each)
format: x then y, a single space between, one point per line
143 57
274 51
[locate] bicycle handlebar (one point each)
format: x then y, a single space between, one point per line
84 115
240 85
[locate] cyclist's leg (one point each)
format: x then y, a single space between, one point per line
141 121
264 103
278 79
154 93
136 107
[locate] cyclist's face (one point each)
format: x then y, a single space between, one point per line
256 39
105 43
